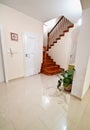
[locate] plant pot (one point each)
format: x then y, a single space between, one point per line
68 89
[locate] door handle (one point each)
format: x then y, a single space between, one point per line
26 55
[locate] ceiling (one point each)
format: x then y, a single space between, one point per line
44 10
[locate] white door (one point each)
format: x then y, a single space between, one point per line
1 65
31 54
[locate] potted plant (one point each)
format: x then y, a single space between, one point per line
66 79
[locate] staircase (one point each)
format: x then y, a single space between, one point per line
49 66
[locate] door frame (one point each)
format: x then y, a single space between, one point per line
3 53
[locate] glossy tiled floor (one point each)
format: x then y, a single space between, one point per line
34 104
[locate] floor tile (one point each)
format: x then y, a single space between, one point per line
34 103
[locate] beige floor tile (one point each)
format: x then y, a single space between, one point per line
7 127
34 103
62 124
36 125
84 123
5 123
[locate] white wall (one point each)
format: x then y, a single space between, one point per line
17 22
61 51
45 35
87 78
82 56
1 65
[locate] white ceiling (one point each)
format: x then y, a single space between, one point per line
51 23
45 10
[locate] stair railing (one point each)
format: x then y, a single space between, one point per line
54 33
58 30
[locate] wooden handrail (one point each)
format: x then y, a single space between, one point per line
55 25
58 31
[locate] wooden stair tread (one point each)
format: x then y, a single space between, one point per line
49 66
53 66
52 72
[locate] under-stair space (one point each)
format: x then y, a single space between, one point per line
49 66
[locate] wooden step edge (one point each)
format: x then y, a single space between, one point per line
61 35
52 70
55 65
70 26
66 31
58 38
47 58
50 62
52 44
54 41
46 65
51 73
